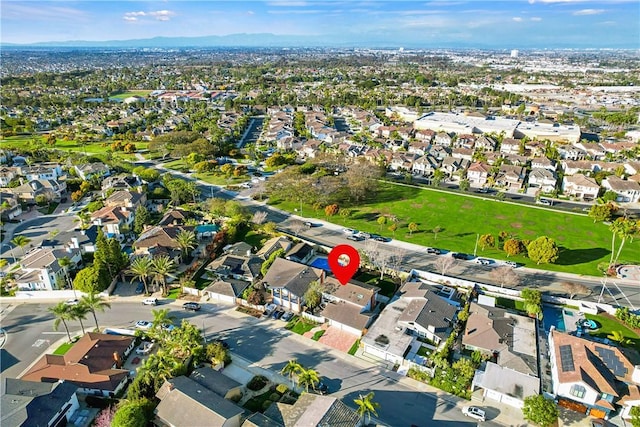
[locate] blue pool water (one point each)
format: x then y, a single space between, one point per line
322 263
203 228
552 316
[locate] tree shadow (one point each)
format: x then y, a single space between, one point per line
7 360
580 256
463 234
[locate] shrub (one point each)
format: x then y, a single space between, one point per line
282 388
266 404
257 383
274 397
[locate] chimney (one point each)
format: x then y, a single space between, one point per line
635 377
117 359
74 242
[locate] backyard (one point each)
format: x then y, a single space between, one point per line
609 324
458 220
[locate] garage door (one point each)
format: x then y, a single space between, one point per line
574 406
492 394
598 413
375 352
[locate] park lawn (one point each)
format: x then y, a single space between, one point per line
608 325
63 348
176 164
98 147
461 218
125 95
221 180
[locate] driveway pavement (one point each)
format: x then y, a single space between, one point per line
336 338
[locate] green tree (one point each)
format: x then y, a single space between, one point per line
21 241
635 416
186 239
437 229
487 240
618 336
88 280
79 313
464 185
142 268
532 301
141 218
163 266
366 406
65 263
292 368
601 212
267 263
513 247
94 302
381 221
412 227
308 378
62 313
543 250
539 410
345 213
137 413
216 353
624 228
313 295
392 228
161 317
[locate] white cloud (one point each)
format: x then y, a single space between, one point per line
517 19
159 15
130 18
295 12
17 11
588 12
250 12
536 19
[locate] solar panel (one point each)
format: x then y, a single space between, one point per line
612 361
566 358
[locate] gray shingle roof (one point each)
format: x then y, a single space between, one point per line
33 403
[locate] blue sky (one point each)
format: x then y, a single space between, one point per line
501 24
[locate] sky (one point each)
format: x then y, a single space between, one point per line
509 24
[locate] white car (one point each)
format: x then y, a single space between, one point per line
483 261
144 324
150 301
145 348
511 264
349 231
473 412
544 202
72 302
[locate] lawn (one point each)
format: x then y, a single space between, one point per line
510 303
125 95
387 287
354 347
100 147
609 324
461 218
174 293
318 335
424 351
63 348
254 238
215 179
300 325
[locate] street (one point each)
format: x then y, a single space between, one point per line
265 342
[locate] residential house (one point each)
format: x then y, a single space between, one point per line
580 187
312 410
27 192
454 167
217 382
591 377
632 168
510 177
425 165
94 364
92 170
506 385
174 217
301 252
544 179
462 153
32 403
543 163
41 271
7 174
272 245
440 152
508 338
160 240
10 208
126 199
478 174
572 167
288 281
237 267
627 191
571 152
485 143
226 290
443 138
113 220
238 248
594 150
403 161
465 141
347 304
515 159
46 171
415 312
187 402
425 135
419 147
510 146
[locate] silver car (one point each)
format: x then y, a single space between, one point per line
474 412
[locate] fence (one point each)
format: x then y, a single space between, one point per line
311 317
61 295
244 303
191 291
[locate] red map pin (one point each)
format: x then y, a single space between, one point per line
344 261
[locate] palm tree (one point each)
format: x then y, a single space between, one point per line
65 263
161 317
163 266
308 378
292 368
21 241
93 303
142 268
62 313
618 337
625 229
79 313
186 239
366 406
84 218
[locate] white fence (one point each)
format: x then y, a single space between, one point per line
311 317
191 291
42 295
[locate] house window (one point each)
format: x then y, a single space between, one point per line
577 391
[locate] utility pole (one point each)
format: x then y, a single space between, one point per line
475 249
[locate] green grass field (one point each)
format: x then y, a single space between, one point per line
63 348
125 95
100 147
583 243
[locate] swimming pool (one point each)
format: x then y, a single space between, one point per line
320 262
552 316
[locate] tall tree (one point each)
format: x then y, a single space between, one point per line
94 302
313 295
292 368
142 268
79 312
543 250
140 219
62 313
366 406
161 317
163 266
412 227
308 378
487 240
186 239
21 241
539 410
65 263
624 228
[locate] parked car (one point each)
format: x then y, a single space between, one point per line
277 314
544 202
460 255
308 223
379 238
269 309
355 238
145 348
144 324
287 316
168 327
193 306
474 412
140 288
72 302
433 251
511 264
150 301
483 261
364 235
349 231
482 190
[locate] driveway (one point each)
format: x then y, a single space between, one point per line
338 339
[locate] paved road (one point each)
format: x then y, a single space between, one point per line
29 328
